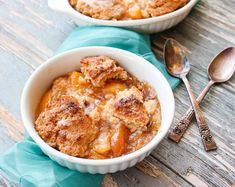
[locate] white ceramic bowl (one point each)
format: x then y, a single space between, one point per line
66 62
149 25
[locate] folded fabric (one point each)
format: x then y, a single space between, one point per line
25 164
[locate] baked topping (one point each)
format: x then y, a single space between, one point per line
100 112
98 69
65 126
160 7
101 9
128 108
126 9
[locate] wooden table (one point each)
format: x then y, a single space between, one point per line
30 32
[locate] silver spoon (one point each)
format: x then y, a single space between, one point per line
177 65
220 70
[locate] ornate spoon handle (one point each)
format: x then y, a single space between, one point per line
207 139
180 128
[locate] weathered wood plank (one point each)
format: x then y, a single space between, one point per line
161 175
109 182
4 182
20 24
5 141
14 128
148 168
13 75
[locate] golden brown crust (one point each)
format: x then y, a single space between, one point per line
65 126
160 7
126 9
46 127
59 88
100 9
128 108
98 69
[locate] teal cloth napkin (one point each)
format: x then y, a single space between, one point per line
25 164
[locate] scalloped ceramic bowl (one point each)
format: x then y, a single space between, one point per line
66 62
148 25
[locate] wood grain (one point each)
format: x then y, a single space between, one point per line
14 128
30 32
148 168
109 182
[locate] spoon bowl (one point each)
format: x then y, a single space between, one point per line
222 66
176 59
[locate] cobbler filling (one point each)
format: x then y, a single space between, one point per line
98 112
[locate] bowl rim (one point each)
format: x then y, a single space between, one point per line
82 161
69 9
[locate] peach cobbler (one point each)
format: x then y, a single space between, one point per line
126 9
98 112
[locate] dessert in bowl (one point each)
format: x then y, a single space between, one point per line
99 112
149 16
126 9
94 110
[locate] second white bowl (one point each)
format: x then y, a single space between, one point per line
149 25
